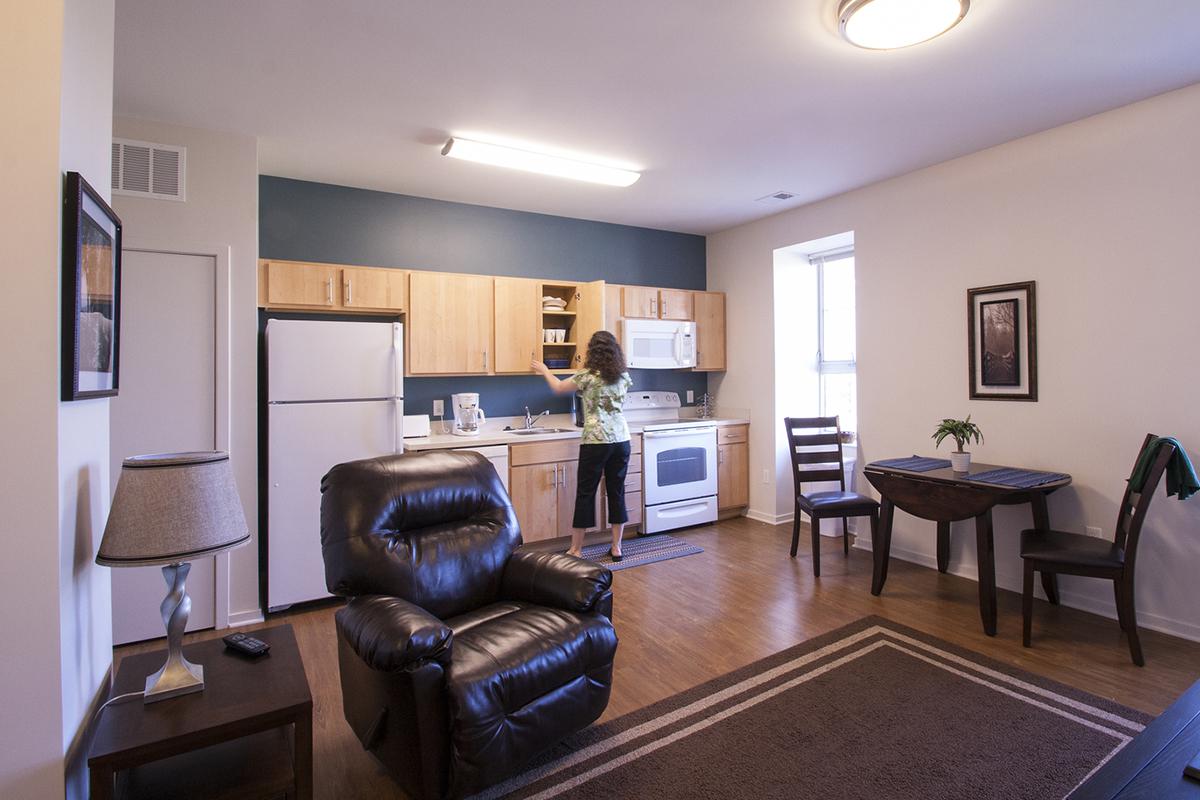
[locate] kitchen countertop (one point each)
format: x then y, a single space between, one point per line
493 433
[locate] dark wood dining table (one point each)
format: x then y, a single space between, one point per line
945 496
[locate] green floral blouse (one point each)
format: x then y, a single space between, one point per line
603 422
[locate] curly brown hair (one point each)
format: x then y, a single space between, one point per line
604 356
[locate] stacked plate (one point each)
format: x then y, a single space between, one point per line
550 303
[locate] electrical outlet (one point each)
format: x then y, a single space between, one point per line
1094 530
439 408
691 397
766 475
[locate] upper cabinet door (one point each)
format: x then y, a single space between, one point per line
710 330
374 289
291 283
674 304
589 306
450 321
518 311
639 302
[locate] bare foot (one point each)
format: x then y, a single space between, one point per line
573 553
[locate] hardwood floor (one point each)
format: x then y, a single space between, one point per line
685 621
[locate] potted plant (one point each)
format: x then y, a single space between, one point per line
962 431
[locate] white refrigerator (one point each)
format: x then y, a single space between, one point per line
334 394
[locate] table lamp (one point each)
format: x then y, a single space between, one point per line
170 509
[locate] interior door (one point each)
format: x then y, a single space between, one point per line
167 403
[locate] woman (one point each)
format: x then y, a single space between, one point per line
603 383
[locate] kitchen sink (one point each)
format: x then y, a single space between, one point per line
533 431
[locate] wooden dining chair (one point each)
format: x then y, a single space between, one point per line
1062 553
816 454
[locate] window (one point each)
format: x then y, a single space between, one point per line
835 323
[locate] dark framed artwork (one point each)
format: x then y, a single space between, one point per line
91 302
1002 341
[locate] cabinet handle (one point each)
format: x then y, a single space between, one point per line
653 307
485 359
663 306
555 482
329 291
349 291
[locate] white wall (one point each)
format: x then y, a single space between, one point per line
221 210
1103 214
30 675
57 70
85 610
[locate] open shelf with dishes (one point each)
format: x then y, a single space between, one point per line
570 313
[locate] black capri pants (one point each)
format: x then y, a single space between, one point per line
611 461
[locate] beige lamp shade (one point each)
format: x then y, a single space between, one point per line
173 507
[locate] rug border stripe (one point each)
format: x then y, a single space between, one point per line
703 698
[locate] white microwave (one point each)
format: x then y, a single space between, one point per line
658 343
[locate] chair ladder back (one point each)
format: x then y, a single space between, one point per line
1134 505
811 451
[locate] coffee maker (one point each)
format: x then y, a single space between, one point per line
468 416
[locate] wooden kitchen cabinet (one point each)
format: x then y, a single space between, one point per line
450 324
675 304
733 467
534 492
639 302
518 331
294 283
710 330
374 289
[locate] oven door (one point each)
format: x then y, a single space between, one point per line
680 464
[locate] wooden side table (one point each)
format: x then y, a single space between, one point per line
247 735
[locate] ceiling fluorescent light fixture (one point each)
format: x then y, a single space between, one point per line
542 163
891 24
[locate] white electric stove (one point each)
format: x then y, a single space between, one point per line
679 462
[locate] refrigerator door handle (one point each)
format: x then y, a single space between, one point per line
397 360
397 426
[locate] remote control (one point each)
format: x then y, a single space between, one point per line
246 645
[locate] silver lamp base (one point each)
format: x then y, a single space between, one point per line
178 675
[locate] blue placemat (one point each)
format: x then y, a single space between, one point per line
1020 478
913 463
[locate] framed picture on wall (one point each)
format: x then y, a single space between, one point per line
1002 341
91 301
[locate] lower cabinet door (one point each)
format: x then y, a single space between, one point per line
567 487
733 475
535 490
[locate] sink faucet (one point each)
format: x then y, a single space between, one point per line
531 420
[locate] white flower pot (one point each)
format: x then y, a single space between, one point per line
960 462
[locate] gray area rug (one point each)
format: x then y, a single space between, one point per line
639 550
871 710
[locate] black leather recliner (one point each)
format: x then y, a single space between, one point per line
460 659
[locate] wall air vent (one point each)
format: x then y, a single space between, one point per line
776 197
146 169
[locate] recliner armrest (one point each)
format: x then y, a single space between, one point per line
390 634
556 580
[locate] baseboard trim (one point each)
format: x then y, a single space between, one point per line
1082 602
251 617
786 519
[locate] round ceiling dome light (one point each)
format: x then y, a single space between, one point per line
890 24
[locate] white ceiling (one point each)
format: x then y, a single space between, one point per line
718 102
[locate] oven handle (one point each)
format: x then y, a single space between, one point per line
683 432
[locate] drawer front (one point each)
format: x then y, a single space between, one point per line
543 452
669 516
732 433
635 443
635 462
633 482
